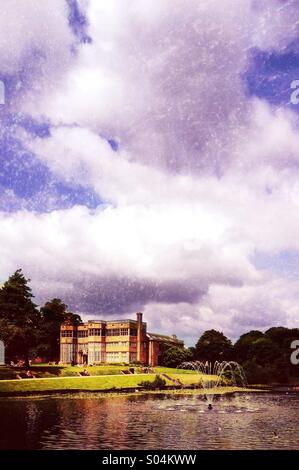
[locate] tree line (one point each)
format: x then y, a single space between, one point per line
265 356
29 331
26 330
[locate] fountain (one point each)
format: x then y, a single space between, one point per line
216 375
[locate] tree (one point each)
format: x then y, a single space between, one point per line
264 351
213 346
278 334
243 347
53 314
255 373
282 336
191 349
19 317
172 356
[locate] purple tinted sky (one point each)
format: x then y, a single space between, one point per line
149 159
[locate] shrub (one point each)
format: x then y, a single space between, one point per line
173 356
157 383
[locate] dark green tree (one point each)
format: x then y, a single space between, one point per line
242 350
19 317
255 373
264 351
192 352
213 346
53 314
282 336
173 356
266 356
278 334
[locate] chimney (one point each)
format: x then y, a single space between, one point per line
139 336
139 317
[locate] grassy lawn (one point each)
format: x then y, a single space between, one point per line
170 370
101 382
98 384
49 378
46 371
193 378
74 383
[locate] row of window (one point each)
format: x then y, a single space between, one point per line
117 357
117 332
95 356
95 346
95 353
95 332
82 333
67 334
98 332
124 344
68 355
121 332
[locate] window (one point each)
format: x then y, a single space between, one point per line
116 344
67 333
95 353
68 353
124 357
124 332
133 332
112 357
113 344
133 357
82 333
113 332
94 332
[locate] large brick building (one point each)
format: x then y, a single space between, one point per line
115 341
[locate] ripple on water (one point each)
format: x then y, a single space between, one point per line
266 421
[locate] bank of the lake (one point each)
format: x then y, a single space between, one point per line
52 380
43 371
109 383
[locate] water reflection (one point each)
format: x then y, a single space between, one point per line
259 421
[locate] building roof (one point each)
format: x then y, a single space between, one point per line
164 338
106 322
125 320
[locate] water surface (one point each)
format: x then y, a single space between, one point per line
250 421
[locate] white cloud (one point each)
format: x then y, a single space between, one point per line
205 176
34 31
232 310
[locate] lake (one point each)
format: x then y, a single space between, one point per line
241 421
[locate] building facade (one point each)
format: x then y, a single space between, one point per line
115 341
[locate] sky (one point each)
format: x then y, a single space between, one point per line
149 159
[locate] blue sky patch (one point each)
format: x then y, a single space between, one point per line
284 263
270 75
78 22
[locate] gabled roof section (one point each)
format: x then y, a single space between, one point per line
165 339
